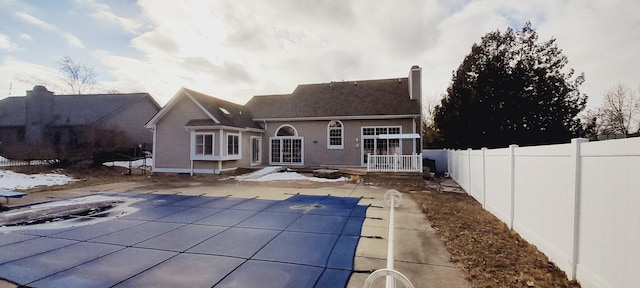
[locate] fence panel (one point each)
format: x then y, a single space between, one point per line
543 207
609 214
476 175
577 202
498 187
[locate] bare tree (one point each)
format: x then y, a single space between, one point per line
430 136
620 110
78 76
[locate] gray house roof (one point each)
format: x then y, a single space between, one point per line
72 110
220 112
338 99
227 113
12 111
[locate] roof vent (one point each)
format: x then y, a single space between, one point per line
355 83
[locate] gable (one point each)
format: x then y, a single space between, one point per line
214 111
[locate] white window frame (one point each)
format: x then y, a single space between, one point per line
254 153
375 137
227 143
341 129
282 149
194 153
295 131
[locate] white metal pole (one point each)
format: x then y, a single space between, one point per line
391 283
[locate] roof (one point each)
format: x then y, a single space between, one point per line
12 111
72 110
220 112
227 113
339 99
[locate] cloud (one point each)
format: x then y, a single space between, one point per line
26 36
22 76
237 49
73 40
105 13
35 21
7 44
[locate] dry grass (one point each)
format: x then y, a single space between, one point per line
484 248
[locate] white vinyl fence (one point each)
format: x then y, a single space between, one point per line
579 203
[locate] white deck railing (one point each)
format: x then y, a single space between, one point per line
394 163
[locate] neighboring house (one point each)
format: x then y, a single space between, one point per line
328 124
46 119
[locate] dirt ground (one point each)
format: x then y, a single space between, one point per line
485 250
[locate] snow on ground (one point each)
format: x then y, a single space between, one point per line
10 180
134 164
270 174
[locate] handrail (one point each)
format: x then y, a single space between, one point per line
394 163
393 199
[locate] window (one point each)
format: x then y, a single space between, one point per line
233 144
204 144
256 145
335 135
286 130
286 147
374 144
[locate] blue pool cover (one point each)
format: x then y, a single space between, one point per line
194 241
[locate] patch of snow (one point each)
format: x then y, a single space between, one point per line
134 164
291 176
2 159
10 180
260 173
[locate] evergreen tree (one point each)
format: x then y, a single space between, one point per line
511 89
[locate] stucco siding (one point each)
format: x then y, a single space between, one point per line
315 140
172 143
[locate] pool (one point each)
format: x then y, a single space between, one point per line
193 241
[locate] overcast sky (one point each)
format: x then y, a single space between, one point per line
237 49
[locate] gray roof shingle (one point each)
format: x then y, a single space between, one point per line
71 110
335 99
237 116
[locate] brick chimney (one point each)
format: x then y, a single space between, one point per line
415 83
38 112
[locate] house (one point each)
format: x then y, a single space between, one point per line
327 124
42 118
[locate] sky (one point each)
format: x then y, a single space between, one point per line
238 49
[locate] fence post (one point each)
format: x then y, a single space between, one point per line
484 179
512 182
469 150
574 189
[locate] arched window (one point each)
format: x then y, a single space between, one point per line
286 130
335 135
